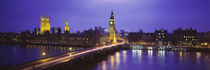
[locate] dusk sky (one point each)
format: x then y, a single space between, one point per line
131 15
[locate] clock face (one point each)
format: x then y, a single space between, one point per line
111 22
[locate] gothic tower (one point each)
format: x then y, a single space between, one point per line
112 29
45 24
66 30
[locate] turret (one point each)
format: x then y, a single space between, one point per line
67 29
44 25
112 15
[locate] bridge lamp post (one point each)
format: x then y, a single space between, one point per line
43 53
70 56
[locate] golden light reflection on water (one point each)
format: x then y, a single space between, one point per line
180 57
124 56
180 54
103 65
198 54
112 61
158 52
140 53
117 58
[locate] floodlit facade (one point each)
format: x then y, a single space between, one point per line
112 29
67 29
45 25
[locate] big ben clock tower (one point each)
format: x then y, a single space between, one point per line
112 29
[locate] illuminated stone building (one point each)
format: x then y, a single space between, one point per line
112 29
45 25
67 29
188 37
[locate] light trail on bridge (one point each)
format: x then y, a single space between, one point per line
51 61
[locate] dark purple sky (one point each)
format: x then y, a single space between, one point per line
131 15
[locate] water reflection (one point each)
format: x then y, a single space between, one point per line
18 54
112 61
117 57
198 55
140 52
103 65
156 60
137 53
124 56
180 57
150 52
161 52
180 54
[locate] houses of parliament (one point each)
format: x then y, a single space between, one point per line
93 37
45 27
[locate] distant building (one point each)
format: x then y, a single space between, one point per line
123 34
188 37
101 30
25 36
56 30
161 37
106 31
87 38
45 25
207 36
135 36
204 38
148 37
9 37
36 31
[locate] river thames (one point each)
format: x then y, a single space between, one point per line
12 55
155 60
